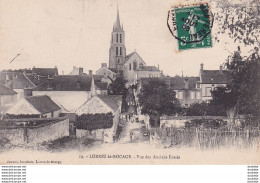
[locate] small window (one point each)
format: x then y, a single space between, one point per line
120 50
180 95
134 66
130 66
118 61
120 38
208 91
197 95
192 95
116 50
117 38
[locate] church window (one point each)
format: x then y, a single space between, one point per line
120 50
134 66
117 38
116 50
130 66
120 38
141 66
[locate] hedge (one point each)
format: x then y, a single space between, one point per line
94 121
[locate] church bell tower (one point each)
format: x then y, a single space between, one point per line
117 51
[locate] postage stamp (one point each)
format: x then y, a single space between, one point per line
191 26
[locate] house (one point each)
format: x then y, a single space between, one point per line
68 91
100 104
131 66
42 106
7 98
187 89
109 75
135 68
76 71
16 80
210 79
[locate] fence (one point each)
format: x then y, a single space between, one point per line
204 139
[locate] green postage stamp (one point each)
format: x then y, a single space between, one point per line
191 26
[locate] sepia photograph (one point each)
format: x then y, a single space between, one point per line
143 82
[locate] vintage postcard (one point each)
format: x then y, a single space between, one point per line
129 82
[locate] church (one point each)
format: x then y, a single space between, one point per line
132 67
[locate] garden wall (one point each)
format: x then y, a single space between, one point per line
33 134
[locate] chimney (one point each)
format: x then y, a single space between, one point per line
80 70
186 83
55 66
90 72
62 72
201 67
158 67
221 69
104 65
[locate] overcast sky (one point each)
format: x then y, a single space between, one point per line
67 33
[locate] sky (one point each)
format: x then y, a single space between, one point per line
67 33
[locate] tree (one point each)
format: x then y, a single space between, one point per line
117 87
157 99
241 94
205 109
238 20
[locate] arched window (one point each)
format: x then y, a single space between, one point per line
120 38
120 50
117 38
116 50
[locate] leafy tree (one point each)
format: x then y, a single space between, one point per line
118 86
157 99
205 109
238 20
241 95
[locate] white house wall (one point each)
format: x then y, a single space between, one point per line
130 74
70 100
94 106
22 107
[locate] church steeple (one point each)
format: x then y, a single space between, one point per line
117 50
117 26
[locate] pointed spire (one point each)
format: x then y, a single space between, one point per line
117 26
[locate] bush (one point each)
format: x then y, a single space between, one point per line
206 123
94 121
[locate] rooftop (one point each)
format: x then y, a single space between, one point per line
43 103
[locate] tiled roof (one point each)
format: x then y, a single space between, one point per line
68 83
43 104
215 77
149 68
37 81
129 56
113 70
101 86
113 101
177 82
6 91
45 71
21 81
98 78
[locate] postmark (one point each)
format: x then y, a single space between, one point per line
191 25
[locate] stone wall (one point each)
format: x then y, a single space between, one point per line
172 121
13 135
35 134
48 132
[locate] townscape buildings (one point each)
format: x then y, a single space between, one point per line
47 93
